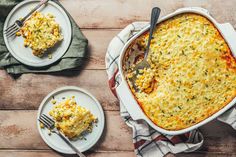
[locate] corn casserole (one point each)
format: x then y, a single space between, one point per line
192 73
71 119
41 32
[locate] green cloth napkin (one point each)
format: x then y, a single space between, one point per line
73 58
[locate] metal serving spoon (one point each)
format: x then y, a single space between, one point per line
144 63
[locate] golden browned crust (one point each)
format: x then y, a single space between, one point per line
194 72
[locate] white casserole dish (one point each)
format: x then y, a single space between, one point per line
126 96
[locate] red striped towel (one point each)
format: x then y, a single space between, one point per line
147 141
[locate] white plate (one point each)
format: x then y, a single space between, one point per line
24 55
83 98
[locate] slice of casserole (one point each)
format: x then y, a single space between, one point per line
41 32
192 75
71 119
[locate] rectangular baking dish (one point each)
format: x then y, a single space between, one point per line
125 95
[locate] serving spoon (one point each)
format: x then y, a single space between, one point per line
144 63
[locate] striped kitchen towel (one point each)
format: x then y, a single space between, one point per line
147 141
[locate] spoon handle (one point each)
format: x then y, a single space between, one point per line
154 17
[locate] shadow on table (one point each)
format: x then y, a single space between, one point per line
69 72
75 71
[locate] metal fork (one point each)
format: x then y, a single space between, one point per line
50 124
11 30
144 63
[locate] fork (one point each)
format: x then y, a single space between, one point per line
50 125
144 63
11 30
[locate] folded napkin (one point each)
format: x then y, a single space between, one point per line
72 59
147 141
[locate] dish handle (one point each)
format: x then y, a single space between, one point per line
228 32
126 97
193 9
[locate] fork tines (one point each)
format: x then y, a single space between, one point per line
10 31
46 121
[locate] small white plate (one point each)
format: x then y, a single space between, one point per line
83 98
24 55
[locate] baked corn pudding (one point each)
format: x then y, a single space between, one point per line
41 32
71 119
192 73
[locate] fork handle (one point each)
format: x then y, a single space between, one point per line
70 144
154 17
42 2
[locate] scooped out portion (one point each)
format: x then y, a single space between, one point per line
192 72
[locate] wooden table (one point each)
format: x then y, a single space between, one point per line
100 20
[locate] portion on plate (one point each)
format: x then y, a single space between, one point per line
41 32
192 74
71 119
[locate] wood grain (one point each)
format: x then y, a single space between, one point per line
100 22
98 43
18 130
28 91
119 13
21 133
18 93
50 153
206 154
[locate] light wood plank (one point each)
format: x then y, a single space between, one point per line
48 153
206 154
28 91
38 86
119 13
21 133
28 153
51 153
98 43
18 130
